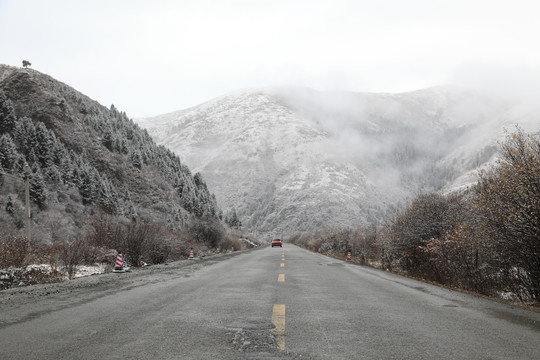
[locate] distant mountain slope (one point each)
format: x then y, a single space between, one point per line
297 159
85 157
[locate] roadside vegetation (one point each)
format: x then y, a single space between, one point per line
485 240
98 185
142 243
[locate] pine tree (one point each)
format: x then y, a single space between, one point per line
8 152
114 110
188 200
66 171
24 134
38 190
31 157
108 197
232 220
198 180
136 158
19 164
45 143
53 175
109 138
10 206
7 114
87 188
58 153
178 184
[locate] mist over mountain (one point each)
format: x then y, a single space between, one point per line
295 159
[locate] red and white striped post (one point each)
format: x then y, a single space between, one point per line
119 265
349 258
191 254
217 250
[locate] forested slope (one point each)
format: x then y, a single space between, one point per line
85 159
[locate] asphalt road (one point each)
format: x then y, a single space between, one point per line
251 306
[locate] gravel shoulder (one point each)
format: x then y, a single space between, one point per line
25 303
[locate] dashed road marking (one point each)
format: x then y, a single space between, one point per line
278 319
282 265
281 278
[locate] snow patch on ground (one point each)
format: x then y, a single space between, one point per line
82 270
86 270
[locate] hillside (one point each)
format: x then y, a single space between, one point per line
85 159
298 159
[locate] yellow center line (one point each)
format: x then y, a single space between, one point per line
282 265
278 319
282 259
281 278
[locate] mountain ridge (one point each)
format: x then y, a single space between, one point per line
332 159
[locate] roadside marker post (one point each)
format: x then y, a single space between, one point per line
217 250
349 258
119 265
191 255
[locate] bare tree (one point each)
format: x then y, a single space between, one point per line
507 204
71 254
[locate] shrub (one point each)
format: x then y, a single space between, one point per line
228 242
73 253
14 251
207 230
423 220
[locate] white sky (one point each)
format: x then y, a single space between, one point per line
152 57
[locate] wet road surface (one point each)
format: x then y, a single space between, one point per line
275 303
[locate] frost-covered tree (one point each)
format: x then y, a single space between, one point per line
38 188
507 203
67 171
10 206
24 134
8 152
108 139
108 197
136 158
45 143
7 114
87 187
232 220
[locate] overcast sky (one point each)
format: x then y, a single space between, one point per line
152 57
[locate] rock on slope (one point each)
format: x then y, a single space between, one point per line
293 159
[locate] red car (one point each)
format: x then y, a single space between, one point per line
277 242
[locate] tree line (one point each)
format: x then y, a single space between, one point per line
485 239
24 141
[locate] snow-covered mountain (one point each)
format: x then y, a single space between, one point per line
293 159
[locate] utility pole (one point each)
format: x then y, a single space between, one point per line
27 173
